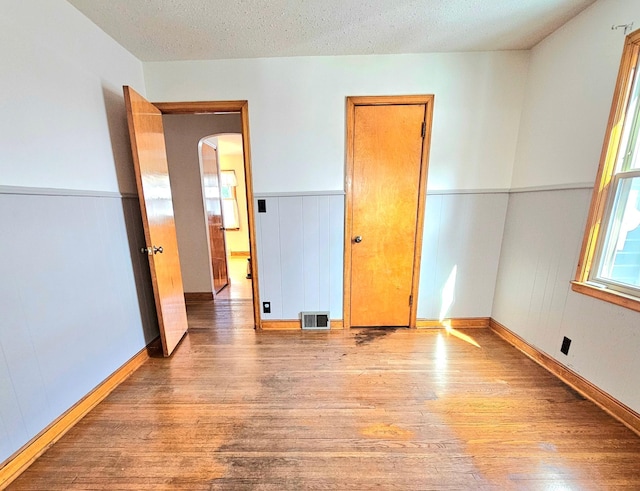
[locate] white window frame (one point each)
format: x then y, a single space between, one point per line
613 170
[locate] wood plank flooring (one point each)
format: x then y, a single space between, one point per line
239 287
354 410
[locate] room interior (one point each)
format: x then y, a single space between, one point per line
518 129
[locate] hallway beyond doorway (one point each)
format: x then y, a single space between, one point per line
239 286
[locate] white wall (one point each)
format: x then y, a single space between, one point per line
237 240
75 297
300 240
569 92
297 111
183 132
297 117
61 100
569 95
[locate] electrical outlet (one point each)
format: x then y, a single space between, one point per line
266 307
566 343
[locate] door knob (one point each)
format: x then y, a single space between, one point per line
357 239
146 250
157 250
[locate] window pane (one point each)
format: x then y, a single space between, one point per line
230 214
629 156
621 252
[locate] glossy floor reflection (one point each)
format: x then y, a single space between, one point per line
401 410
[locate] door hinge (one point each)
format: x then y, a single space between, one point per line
424 129
410 300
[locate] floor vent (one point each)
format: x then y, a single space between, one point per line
315 320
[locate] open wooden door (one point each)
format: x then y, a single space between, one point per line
386 180
213 210
156 205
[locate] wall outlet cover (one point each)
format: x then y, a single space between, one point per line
566 343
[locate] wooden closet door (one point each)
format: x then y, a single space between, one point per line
387 159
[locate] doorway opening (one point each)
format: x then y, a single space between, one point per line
238 110
155 192
232 193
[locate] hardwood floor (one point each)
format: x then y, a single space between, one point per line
239 287
354 410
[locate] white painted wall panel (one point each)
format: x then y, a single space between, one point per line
269 254
336 255
9 427
70 302
462 233
301 260
605 346
292 260
14 431
324 253
542 240
300 255
430 291
542 236
297 116
74 298
311 251
569 91
28 389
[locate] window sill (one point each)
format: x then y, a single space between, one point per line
610 296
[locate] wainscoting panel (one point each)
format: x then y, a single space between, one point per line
76 303
336 255
539 256
533 298
268 243
301 254
300 247
460 253
292 260
314 275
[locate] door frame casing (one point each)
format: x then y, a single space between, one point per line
351 103
242 107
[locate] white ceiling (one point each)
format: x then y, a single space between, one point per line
163 30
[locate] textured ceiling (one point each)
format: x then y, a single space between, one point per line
162 30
